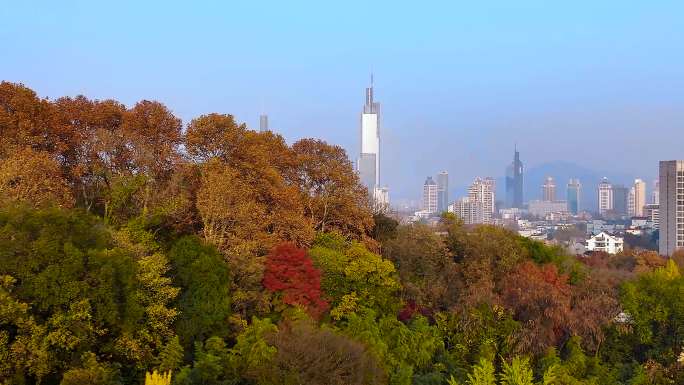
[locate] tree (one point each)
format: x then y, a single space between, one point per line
156 378
33 178
308 355
353 276
87 294
653 303
540 299
205 300
428 273
334 198
290 272
92 373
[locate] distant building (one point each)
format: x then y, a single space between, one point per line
671 208
605 197
655 194
430 196
369 160
652 211
470 211
542 208
606 243
381 199
483 191
620 198
514 182
573 196
263 122
442 191
637 199
549 190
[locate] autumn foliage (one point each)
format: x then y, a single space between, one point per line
290 271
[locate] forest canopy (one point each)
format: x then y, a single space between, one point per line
136 249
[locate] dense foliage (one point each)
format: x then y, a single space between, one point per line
134 249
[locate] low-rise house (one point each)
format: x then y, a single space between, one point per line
605 242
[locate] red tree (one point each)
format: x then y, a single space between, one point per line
540 298
290 271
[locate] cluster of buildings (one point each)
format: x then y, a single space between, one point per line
622 210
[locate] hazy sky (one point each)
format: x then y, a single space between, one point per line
598 83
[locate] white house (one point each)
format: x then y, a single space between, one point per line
606 243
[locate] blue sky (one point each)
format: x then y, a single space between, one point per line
598 83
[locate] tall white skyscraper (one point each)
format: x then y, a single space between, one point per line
671 210
655 195
605 196
430 192
369 159
483 190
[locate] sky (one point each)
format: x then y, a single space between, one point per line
596 83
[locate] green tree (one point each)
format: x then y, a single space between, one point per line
205 301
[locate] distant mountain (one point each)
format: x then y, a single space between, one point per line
562 171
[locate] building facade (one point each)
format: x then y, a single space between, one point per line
470 212
369 160
430 190
605 197
606 243
263 122
573 196
514 182
542 208
483 190
637 198
549 189
443 191
620 199
671 208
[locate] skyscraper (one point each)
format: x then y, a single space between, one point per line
671 210
549 190
483 191
263 122
605 196
637 198
514 182
369 159
620 199
442 191
655 194
430 189
573 196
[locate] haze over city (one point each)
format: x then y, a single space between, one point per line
589 83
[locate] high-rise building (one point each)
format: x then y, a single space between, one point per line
637 198
369 160
442 191
263 122
514 182
469 211
605 197
483 190
549 190
620 199
573 196
430 189
655 194
652 212
671 209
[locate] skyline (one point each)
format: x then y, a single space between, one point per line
457 90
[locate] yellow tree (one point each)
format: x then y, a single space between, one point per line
34 178
334 199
